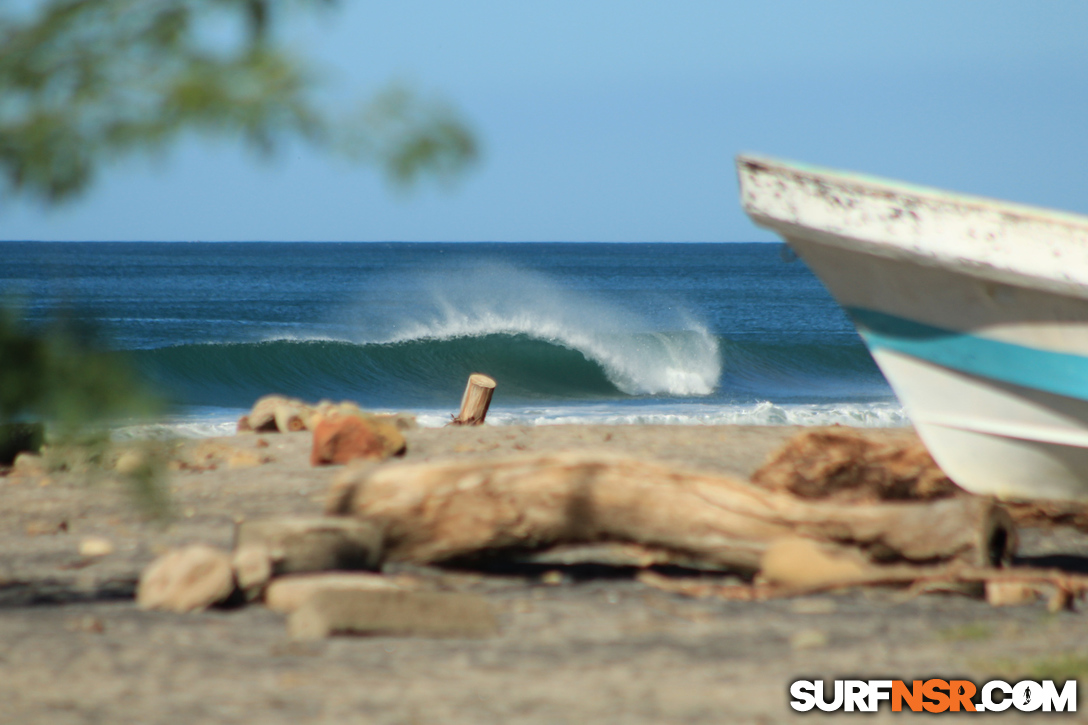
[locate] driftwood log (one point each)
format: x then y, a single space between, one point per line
476 400
434 512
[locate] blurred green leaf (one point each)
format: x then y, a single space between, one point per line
58 374
85 81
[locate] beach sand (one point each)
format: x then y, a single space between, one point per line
74 648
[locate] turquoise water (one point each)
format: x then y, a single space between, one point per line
572 332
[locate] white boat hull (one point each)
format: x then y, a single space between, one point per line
984 343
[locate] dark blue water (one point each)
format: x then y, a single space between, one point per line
572 332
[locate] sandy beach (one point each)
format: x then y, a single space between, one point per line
598 646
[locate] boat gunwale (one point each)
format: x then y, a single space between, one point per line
864 238
868 183
959 264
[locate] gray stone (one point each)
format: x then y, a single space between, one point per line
286 594
318 543
429 614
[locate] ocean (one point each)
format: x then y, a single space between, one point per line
572 332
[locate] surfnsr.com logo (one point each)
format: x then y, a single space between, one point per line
934 695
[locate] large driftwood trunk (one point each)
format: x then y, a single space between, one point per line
440 511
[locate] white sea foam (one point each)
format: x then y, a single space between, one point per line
857 415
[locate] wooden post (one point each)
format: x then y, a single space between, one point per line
476 400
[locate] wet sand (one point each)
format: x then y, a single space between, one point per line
598 647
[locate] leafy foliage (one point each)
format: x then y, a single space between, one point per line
82 81
59 375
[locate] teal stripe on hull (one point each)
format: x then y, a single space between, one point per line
1054 372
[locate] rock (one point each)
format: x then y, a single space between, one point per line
252 567
130 462
343 438
211 454
848 466
286 594
292 417
30 464
552 578
241 458
1060 600
433 614
186 580
262 417
313 543
87 623
95 546
808 639
243 425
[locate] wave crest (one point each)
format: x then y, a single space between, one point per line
637 357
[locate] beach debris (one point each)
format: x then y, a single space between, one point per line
252 565
315 543
442 511
209 455
700 588
432 614
341 438
1010 594
287 593
185 580
552 578
849 466
1044 513
999 587
46 527
30 464
280 414
808 639
131 462
87 623
94 546
807 564
476 400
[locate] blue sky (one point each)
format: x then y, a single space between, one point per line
619 120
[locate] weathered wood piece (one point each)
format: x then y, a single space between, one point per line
448 510
312 543
433 614
476 400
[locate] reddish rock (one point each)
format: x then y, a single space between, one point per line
343 438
